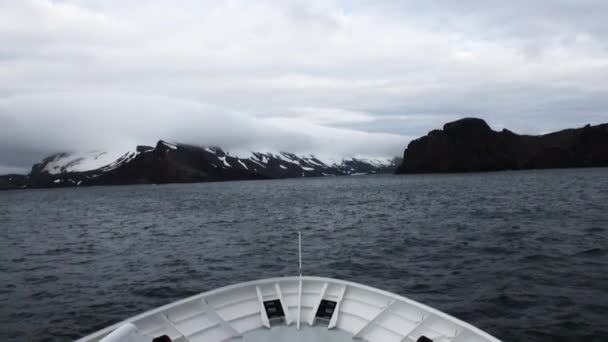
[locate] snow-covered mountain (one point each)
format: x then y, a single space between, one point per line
174 162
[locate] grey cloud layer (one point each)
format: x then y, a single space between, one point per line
310 76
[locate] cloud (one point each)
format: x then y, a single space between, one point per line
84 121
326 116
291 75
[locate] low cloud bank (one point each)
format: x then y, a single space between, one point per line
37 125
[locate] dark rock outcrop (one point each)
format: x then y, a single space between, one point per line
469 144
10 182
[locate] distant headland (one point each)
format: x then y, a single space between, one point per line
182 163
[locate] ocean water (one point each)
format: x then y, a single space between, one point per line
522 255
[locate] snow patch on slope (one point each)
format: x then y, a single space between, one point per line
223 159
243 164
170 145
85 161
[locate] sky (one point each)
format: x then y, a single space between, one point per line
335 78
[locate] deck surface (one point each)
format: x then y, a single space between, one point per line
290 334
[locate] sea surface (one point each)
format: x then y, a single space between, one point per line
522 255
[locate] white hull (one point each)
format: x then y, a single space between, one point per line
293 309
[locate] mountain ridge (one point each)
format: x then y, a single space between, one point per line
182 163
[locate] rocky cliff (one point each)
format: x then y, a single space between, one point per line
469 144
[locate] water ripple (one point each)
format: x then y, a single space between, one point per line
522 255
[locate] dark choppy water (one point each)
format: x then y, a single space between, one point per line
522 255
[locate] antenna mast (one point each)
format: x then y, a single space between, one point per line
300 250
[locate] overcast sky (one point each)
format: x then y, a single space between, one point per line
317 76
